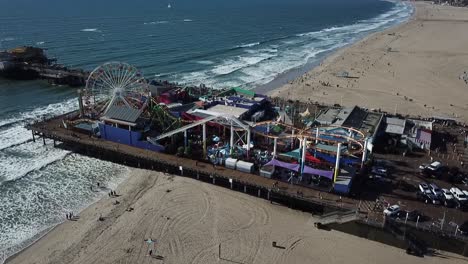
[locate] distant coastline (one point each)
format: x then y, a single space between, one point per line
296 73
404 69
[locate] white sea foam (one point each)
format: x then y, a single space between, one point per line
238 63
156 22
248 45
42 112
7 39
14 132
187 20
40 43
38 201
90 30
205 62
20 160
259 64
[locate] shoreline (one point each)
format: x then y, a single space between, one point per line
296 73
401 50
125 173
128 173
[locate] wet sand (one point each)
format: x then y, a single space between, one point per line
190 219
414 68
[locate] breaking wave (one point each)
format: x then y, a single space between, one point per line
258 63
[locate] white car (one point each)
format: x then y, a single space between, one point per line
447 194
466 193
435 166
458 194
392 210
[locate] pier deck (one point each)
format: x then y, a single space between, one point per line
254 184
295 196
53 129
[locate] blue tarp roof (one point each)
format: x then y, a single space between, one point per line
343 160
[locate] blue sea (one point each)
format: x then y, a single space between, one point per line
248 43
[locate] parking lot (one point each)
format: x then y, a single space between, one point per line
399 184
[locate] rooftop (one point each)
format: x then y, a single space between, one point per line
122 113
395 126
354 117
237 112
328 117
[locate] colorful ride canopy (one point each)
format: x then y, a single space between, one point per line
296 167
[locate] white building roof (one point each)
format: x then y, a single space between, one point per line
395 126
228 110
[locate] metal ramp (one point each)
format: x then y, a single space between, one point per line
338 217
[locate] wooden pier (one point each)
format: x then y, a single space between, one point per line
291 195
342 213
30 63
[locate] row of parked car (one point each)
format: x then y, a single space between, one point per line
415 216
431 193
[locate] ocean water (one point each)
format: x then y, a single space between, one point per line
244 43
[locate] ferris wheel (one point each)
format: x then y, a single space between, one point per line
115 83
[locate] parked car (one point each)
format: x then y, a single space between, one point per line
436 190
428 198
422 166
466 193
424 188
392 210
458 194
447 194
448 198
381 171
434 166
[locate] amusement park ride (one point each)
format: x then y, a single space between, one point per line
114 84
119 98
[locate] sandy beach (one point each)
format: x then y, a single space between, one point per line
414 68
189 219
